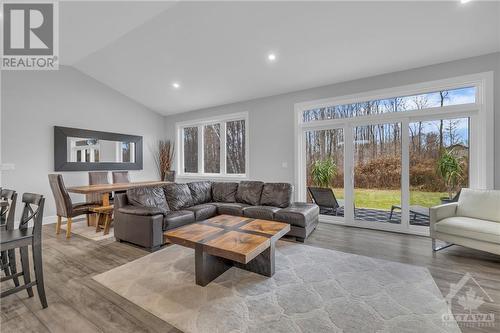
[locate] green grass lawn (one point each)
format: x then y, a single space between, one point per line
384 199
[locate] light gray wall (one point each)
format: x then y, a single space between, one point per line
271 119
35 101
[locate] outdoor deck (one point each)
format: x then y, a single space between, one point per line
377 215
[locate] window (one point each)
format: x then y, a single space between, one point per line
386 159
211 146
435 99
235 147
190 144
214 147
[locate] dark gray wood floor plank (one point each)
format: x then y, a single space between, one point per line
26 324
77 303
59 316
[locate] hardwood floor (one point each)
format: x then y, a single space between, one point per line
79 304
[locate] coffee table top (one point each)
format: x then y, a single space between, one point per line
232 237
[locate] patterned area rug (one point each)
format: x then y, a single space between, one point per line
81 228
313 290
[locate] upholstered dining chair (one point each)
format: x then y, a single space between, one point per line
120 177
7 213
20 239
64 206
97 178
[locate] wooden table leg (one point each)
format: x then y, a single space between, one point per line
105 199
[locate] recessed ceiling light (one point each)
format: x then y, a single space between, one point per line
176 85
271 57
465 1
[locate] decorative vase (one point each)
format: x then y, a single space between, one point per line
170 176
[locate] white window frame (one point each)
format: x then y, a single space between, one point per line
481 138
200 124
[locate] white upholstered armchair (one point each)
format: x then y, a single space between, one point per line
473 221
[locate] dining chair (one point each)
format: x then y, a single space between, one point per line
65 207
20 239
97 178
7 213
120 177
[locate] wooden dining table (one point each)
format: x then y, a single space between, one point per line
105 189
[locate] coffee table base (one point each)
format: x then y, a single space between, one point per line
208 267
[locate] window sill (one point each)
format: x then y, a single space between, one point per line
214 176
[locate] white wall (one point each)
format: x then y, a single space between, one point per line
271 119
32 102
35 101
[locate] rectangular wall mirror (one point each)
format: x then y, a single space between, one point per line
85 150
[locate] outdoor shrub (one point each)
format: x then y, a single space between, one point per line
322 172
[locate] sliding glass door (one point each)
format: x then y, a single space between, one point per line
383 162
439 164
325 168
377 173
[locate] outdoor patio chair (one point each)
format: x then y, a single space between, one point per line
418 210
326 200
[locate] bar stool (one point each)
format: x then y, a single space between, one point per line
22 238
8 200
104 218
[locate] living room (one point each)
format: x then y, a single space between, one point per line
250 166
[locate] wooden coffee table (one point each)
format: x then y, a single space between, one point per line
226 241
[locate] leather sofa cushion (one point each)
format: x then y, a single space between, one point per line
148 197
178 196
203 211
479 204
299 214
224 192
249 192
142 210
276 194
260 212
201 192
177 219
230 208
482 230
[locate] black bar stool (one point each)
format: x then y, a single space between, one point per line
8 200
22 238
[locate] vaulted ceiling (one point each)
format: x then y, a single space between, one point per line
217 51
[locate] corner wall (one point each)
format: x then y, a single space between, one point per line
33 102
271 119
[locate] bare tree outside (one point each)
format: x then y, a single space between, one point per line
211 146
235 143
190 135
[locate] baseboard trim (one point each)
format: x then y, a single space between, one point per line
53 219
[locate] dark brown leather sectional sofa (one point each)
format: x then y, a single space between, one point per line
142 215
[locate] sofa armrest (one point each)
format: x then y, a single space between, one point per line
142 230
440 212
141 210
